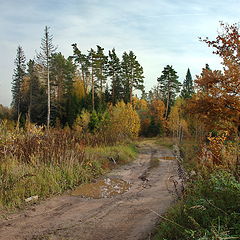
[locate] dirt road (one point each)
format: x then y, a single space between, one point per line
126 214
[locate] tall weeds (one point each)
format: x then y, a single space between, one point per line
36 162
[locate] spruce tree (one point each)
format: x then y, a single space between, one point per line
18 76
168 86
187 87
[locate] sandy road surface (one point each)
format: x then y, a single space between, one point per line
124 216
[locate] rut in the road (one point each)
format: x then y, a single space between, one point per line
127 215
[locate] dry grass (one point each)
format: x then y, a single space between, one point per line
35 162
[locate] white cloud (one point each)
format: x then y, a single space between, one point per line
159 32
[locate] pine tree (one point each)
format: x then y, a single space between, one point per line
168 86
83 61
47 49
101 67
18 76
114 72
91 57
187 87
62 73
132 75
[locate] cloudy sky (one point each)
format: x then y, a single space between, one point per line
159 32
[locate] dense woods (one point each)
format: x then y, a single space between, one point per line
95 98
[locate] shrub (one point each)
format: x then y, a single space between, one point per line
124 122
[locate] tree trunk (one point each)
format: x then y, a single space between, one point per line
113 89
49 99
93 107
30 102
130 95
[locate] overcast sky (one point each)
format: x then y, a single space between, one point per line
159 32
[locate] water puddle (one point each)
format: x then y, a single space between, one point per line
102 188
168 158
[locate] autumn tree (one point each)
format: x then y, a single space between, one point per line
217 100
18 76
187 87
156 113
177 125
124 121
168 87
5 113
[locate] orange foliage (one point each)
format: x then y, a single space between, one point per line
218 98
157 109
139 104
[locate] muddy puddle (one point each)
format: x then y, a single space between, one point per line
102 188
168 158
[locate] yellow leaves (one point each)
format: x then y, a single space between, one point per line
82 121
157 109
216 146
124 120
79 90
176 122
139 104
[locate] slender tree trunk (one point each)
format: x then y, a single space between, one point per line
113 89
167 106
101 81
93 103
131 94
84 83
18 108
30 102
49 99
168 100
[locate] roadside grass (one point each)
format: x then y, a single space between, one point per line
43 166
209 208
166 142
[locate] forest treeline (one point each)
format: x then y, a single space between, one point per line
55 91
82 90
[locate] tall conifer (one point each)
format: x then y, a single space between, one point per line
19 73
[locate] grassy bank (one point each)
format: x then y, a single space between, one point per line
45 165
210 206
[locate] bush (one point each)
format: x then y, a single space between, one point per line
210 210
124 122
